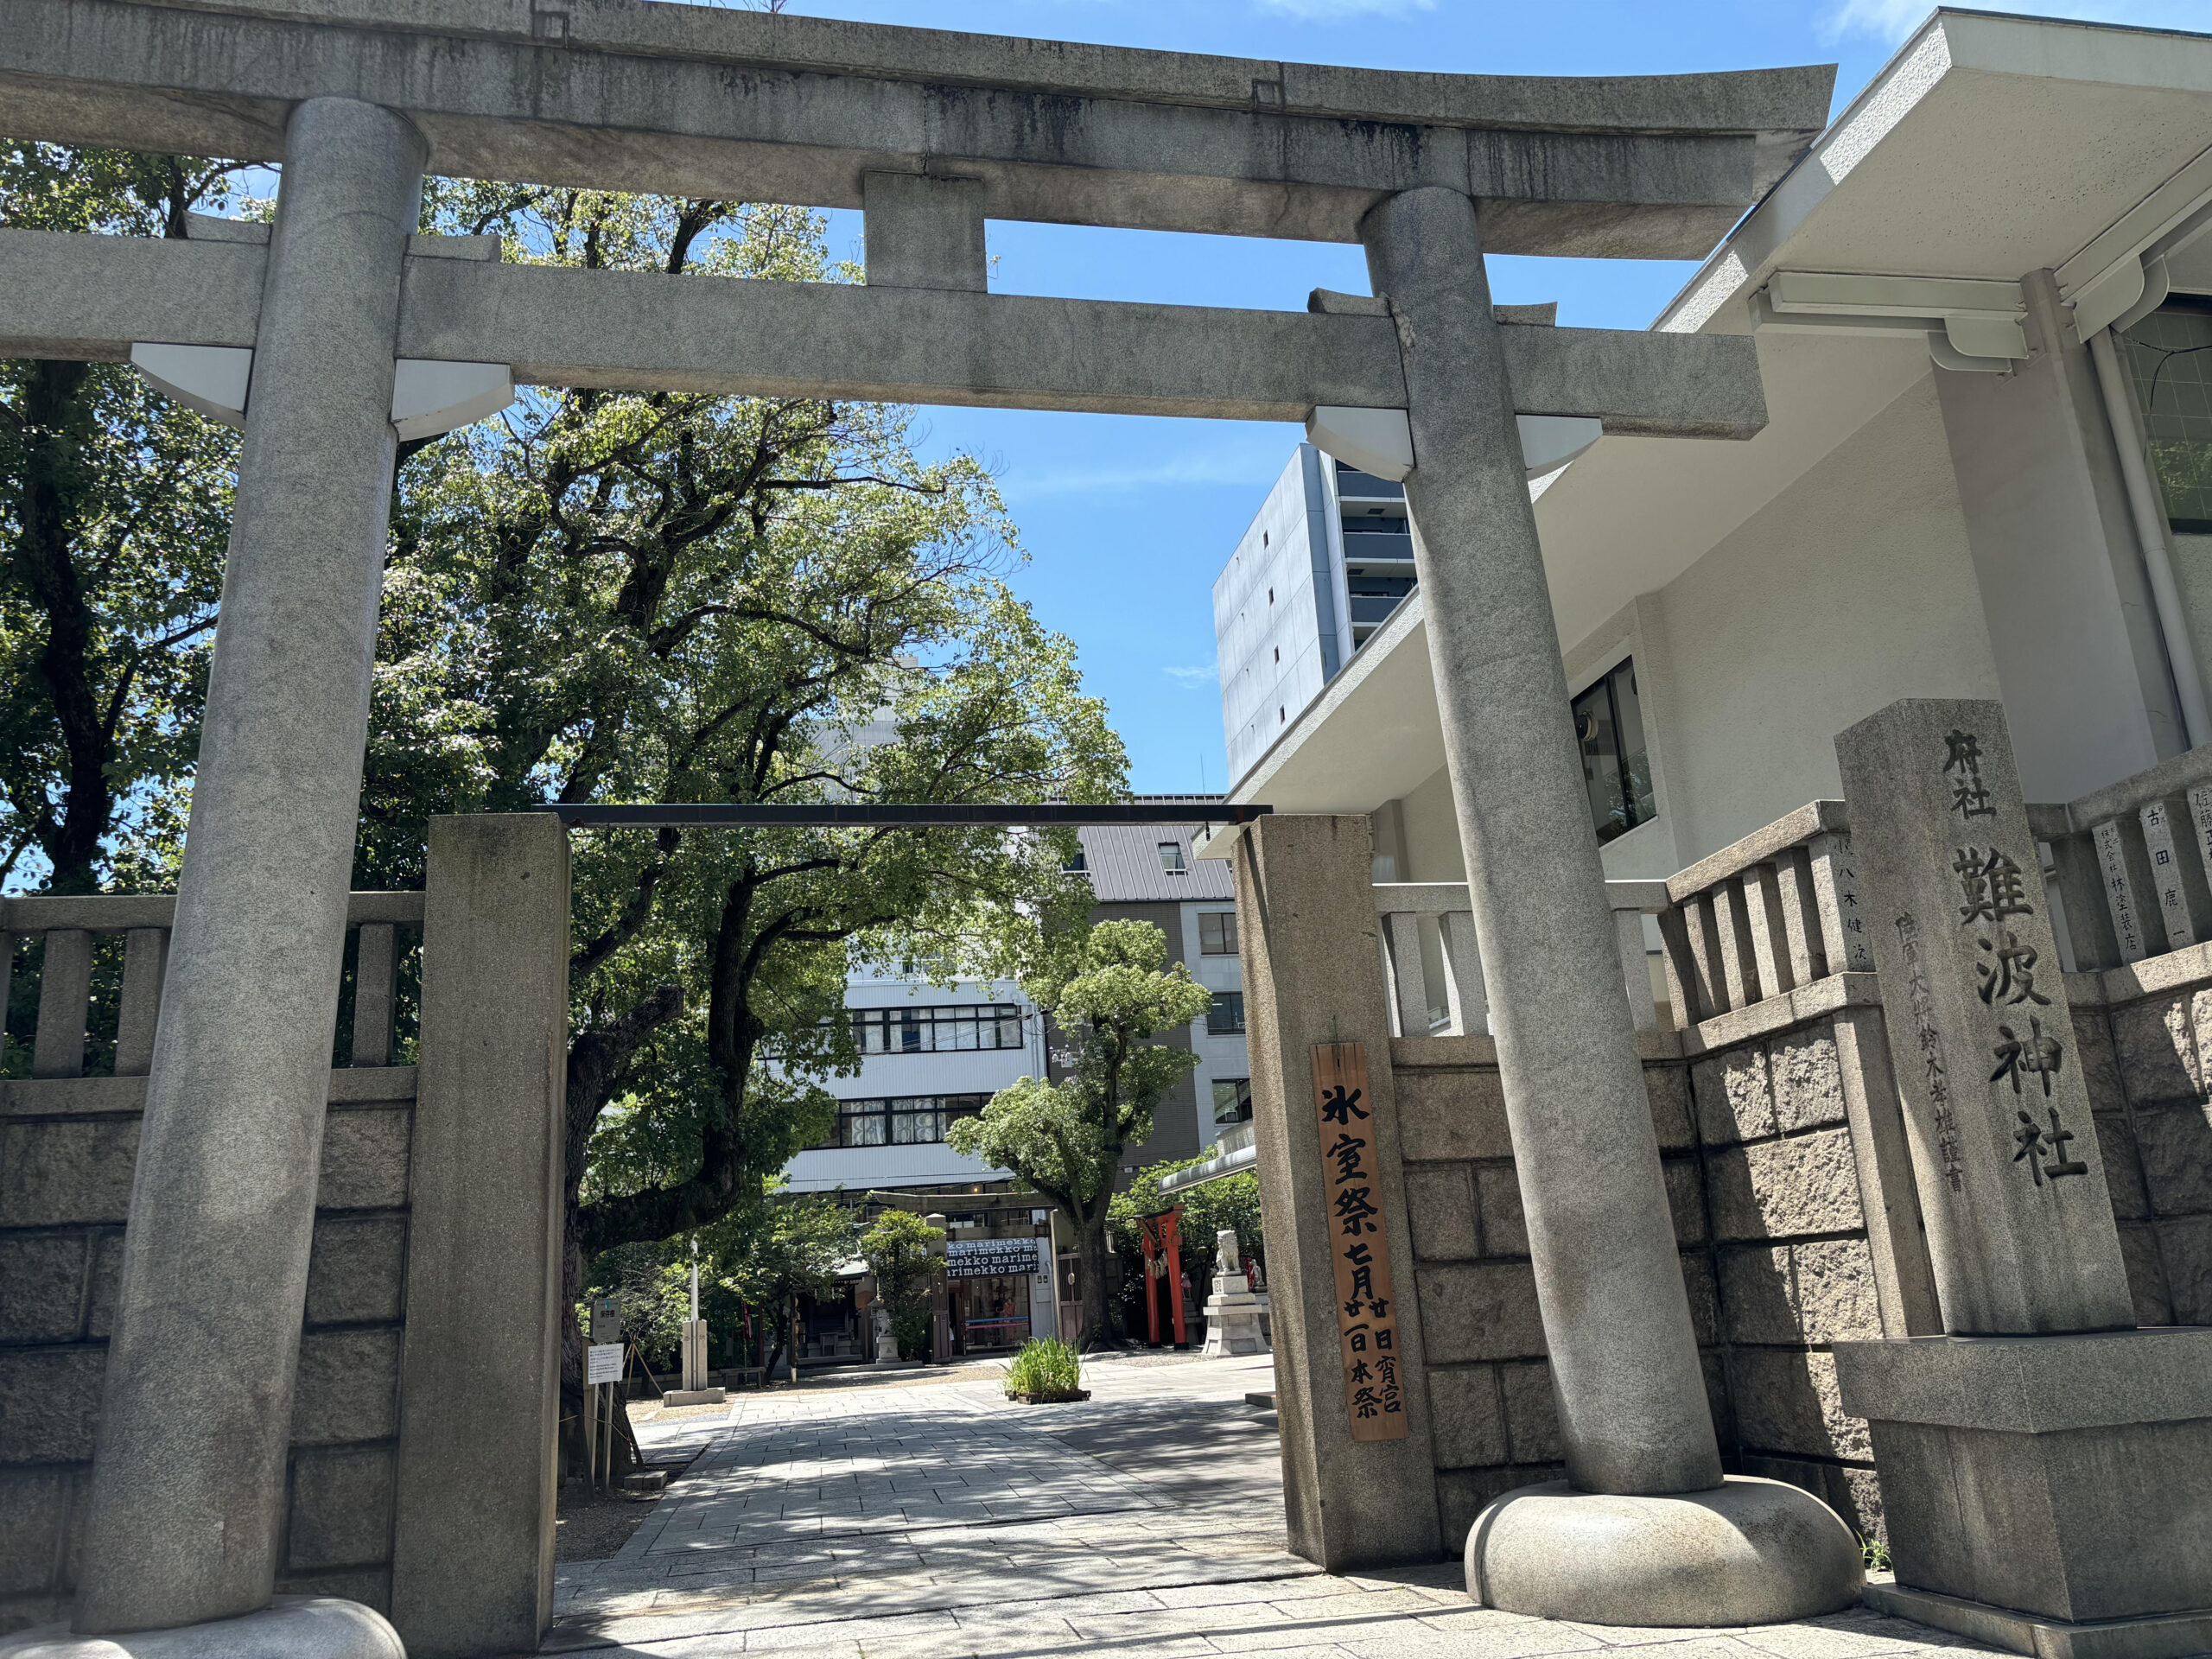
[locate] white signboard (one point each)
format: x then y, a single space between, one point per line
603 1364
992 1258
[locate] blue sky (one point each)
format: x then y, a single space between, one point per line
1127 521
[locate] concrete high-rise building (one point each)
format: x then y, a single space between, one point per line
1327 559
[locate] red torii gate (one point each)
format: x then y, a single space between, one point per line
1162 1241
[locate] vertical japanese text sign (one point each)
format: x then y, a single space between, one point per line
1359 1245
2020 1232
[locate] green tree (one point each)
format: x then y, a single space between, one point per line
115 509
599 596
1110 987
774 1255
900 1251
653 1293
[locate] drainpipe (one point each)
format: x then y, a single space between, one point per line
2151 531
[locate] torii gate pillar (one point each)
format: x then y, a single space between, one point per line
188 1479
1644 1530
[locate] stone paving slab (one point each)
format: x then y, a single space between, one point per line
939 1523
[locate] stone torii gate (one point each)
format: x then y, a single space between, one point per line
353 324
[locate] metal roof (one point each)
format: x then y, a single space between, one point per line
1125 866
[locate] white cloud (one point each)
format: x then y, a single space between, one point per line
1892 20
1332 11
1252 467
1192 678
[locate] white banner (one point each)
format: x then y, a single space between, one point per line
993 1258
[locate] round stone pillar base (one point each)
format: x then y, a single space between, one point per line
1748 1552
295 1627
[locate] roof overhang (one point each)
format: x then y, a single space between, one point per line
1990 146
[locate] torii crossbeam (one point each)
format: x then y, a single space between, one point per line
321 334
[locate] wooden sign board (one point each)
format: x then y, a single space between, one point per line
1359 1245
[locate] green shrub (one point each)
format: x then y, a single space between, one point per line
1046 1369
910 1329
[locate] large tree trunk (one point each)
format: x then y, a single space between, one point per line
596 1061
1097 1328
56 418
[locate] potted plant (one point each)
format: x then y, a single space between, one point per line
1045 1371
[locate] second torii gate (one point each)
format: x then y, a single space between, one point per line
352 323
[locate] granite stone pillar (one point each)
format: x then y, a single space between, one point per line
2046 1468
1633 1410
1312 975
188 1482
479 1386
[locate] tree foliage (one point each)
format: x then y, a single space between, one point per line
773 1256
1111 988
609 596
115 508
1231 1201
597 596
900 1248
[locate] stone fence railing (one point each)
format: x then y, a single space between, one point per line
2130 884
425 1398
1403 905
1776 911
1773 913
71 928
1780 909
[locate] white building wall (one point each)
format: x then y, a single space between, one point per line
1813 615
1219 1058
1268 615
962 1071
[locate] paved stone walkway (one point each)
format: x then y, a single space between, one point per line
941 1522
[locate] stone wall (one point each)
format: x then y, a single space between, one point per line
67 1151
1494 1423
2144 1034
1790 1259
1756 1145
421 1475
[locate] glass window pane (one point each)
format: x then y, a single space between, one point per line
1636 764
2172 371
1601 765
1232 1100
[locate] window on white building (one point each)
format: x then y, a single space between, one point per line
1616 767
1232 1101
935 1030
1216 932
1170 857
901 1120
1226 1017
